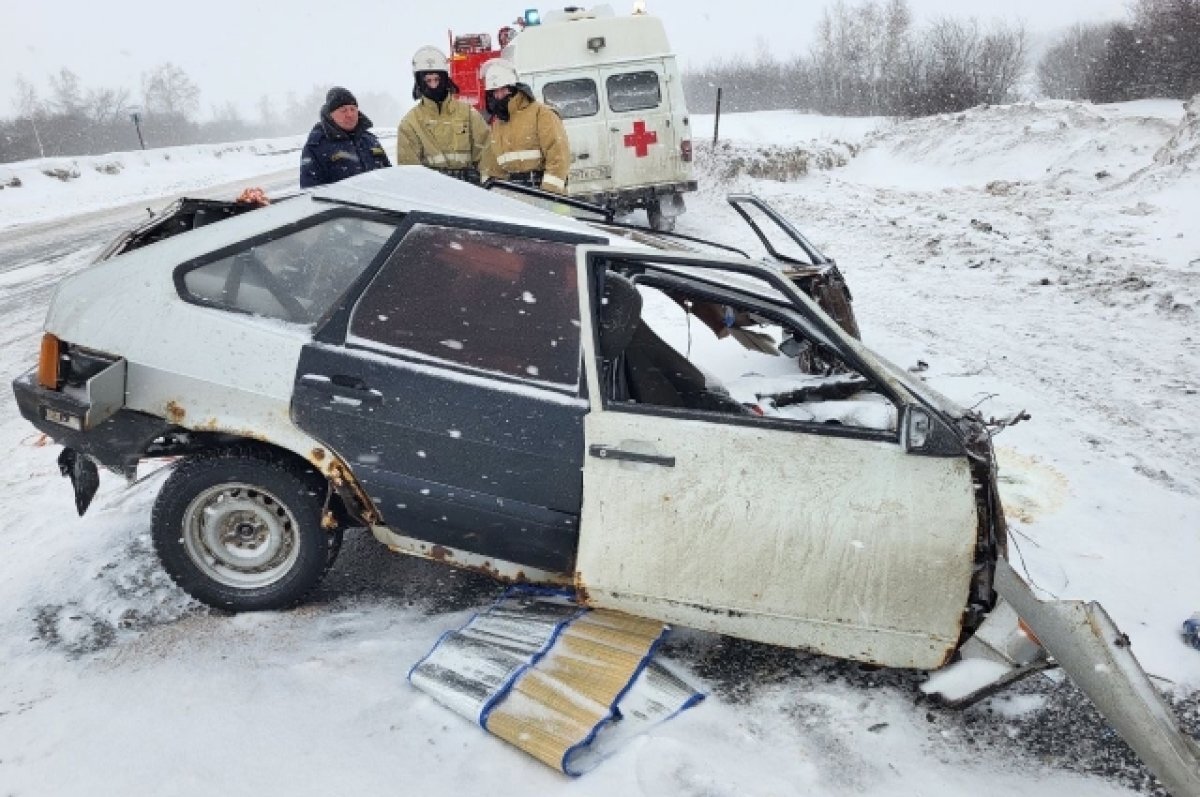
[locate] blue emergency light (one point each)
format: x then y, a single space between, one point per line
532 17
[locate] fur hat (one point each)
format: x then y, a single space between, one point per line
337 97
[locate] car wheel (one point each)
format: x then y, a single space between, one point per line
242 532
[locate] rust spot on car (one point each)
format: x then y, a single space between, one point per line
318 455
441 553
175 413
581 591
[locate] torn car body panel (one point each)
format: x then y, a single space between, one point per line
1086 643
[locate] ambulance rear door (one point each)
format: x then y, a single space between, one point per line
576 95
641 132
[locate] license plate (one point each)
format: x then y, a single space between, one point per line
591 173
63 419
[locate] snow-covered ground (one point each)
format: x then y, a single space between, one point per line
1040 256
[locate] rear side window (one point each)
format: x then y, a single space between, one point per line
633 91
572 98
485 300
296 275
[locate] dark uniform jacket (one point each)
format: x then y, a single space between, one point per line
332 154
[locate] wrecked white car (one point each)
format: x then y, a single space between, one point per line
675 431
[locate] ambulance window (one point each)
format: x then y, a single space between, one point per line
633 91
572 98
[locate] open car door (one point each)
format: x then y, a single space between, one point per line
727 489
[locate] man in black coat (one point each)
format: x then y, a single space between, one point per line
340 145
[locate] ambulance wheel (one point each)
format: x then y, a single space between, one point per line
659 221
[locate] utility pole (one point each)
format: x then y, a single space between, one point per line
136 116
717 117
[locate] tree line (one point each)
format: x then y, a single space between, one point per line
74 119
868 58
1155 53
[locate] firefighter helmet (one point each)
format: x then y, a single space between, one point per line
498 73
430 59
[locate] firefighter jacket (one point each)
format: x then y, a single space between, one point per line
332 154
449 135
532 140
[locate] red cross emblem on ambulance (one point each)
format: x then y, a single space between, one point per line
641 139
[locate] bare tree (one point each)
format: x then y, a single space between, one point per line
266 113
856 59
67 91
1063 70
1002 59
167 90
107 106
30 107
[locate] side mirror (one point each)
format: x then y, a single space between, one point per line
925 433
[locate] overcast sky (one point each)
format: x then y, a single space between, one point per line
241 50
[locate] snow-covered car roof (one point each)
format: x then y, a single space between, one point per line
415 188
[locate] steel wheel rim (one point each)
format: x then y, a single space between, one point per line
241 535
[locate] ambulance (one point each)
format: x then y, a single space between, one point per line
615 82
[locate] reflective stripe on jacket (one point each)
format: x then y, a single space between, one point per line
533 139
448 137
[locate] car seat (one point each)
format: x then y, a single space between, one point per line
640 366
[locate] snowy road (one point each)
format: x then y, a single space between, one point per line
1019 283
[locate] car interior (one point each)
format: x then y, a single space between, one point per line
663 346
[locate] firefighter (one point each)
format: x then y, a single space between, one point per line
528 143
440 131
340 144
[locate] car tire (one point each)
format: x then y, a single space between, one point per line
241 531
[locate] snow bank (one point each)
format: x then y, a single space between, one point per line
776 145
1071 146
44 189
1184 147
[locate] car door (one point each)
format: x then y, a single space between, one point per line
642 140
817 529
450 385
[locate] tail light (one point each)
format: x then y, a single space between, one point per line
685 151
48 361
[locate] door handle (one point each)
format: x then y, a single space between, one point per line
608 452
351 387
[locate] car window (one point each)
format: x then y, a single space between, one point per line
572 98
487 300
633 91
295 276
692 350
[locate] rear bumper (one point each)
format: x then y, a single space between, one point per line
630 198
117 442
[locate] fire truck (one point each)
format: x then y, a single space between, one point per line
615 82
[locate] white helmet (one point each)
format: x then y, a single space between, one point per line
430 59
498 73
